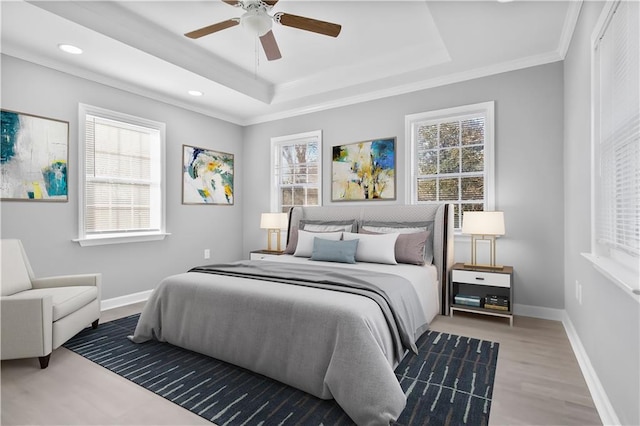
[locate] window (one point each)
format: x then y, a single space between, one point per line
297 171
122 195
451 158
616 144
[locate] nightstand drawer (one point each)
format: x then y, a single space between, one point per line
484 278
260 256
264 254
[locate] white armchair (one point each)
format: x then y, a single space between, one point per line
40 314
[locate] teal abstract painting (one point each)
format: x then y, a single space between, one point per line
207 176
33 157
364 171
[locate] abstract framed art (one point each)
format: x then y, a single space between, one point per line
364 171
207 176
34 154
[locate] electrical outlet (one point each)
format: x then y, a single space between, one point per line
580 293
207 253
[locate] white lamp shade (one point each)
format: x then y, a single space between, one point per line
273 221
483 223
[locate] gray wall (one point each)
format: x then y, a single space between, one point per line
529 132
46 229
529 111
608 321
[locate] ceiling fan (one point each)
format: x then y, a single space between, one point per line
257 20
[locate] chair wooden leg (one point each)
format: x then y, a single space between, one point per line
94 324
44 361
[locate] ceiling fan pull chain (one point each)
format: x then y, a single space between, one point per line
257 55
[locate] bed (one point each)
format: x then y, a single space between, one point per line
332 329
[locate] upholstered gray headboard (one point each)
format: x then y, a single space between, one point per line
440 214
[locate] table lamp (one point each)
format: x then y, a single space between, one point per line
273 223
483 226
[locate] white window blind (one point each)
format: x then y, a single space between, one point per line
122 178
451 158
618 219
616 141
296 170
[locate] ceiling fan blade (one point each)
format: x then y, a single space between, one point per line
270 2
232 2
213 28
308 24
270 46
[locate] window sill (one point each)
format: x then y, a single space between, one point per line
622 276
120 239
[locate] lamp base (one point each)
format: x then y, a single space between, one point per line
488 267
270 232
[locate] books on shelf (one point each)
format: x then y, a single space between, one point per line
500 303
462 299
495 302
496 307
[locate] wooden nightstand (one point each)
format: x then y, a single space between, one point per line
264 254
480 283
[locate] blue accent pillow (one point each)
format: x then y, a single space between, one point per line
334 251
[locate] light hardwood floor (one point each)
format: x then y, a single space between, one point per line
538 382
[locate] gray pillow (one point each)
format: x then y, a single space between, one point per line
292 242
317 226
328 225
334 251
404 228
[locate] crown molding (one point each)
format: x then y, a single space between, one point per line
365 95
115 83
570 22
374 94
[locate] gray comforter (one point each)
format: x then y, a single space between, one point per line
331 344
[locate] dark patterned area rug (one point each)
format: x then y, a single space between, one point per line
449 382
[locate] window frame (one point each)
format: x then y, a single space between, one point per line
442 115
85 239
277 142
615 264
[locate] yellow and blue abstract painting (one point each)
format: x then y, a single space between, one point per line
207 176
364 171
33 157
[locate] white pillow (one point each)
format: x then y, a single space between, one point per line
374 248
305 241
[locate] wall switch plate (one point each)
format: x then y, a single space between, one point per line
207 253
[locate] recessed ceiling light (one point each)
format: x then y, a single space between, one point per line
70 49
195 93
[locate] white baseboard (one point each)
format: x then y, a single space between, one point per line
600 398
598 394
538 312
128 299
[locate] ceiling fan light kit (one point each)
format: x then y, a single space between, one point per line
258 22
